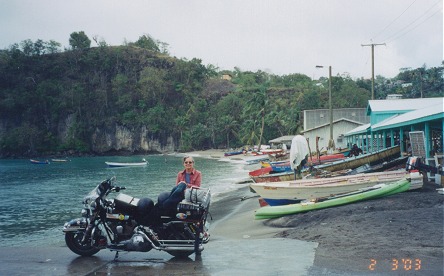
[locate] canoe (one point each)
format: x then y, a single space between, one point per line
118 164
289 192
38 162
376 191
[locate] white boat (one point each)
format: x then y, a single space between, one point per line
288 192
119 164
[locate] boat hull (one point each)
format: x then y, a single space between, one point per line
116 165
279 193
357 161
377 191
342 165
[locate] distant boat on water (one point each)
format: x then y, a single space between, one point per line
59 160
38 162
119 164
231 153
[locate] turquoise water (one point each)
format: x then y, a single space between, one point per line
36 200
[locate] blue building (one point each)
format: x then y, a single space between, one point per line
392 120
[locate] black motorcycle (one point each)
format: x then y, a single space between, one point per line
175 224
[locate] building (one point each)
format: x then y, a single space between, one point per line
317 124
391 122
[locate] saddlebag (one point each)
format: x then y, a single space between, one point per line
126 203
196 202
198 196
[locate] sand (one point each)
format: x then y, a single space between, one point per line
396 235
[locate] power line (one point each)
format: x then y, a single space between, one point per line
406 32
396 35
386 27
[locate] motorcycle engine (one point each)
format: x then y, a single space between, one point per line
138 243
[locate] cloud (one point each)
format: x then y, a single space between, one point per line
283 37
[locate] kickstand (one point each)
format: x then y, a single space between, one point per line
117 256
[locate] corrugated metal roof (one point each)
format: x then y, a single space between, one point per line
334 122
399 105
359 130
281 139
433 111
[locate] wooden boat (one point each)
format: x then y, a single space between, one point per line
38 162
376 191
279 156
288 192
315 160
357 161
281 167
342 165
260 171
256 159
274 177
117 164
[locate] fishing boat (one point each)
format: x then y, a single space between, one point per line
119 164
261 171
38 162
376 191
337 166
357 161
289 192
316 160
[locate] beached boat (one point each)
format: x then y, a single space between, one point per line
376 191
256 159
119 164
357 161
288 192
315 160
38 162
342 165
261 171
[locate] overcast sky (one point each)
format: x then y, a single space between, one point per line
276 36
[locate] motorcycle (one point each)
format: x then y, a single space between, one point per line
175 224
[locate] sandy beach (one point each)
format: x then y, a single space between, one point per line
397 235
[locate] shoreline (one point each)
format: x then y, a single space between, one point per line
406 226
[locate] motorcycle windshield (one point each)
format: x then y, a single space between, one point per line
92 196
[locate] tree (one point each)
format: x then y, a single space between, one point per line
79 41
147 42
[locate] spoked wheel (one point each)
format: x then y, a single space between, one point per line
74 242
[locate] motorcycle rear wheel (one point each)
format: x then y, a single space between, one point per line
73 241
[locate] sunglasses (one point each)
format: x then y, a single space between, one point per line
188 162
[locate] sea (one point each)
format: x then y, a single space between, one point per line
36 200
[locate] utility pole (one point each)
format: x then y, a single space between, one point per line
373 66
331 142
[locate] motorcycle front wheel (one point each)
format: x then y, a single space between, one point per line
74 242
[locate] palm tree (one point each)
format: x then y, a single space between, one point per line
230 125
256 107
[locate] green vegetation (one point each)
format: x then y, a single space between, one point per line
54 100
